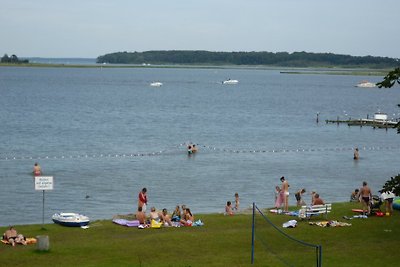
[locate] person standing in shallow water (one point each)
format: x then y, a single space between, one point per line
356 154
37 171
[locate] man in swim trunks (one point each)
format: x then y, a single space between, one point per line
366 196
12 236
285 190
141 216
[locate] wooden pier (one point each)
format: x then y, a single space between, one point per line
367 122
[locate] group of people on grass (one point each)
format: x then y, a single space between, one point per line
364 195
229 210
282 196
181 216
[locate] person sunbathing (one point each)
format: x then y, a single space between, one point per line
11 235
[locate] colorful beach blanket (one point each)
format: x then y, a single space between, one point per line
330 224
29 240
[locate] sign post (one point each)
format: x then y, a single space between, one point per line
43 183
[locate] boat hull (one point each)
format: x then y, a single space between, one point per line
70 219
230 82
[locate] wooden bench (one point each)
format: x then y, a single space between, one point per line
306 212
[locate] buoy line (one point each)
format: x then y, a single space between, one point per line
174 148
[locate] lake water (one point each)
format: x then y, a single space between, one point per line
104 134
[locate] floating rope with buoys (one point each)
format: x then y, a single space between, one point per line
179 147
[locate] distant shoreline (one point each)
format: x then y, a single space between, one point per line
283 70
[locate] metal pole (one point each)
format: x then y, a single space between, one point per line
320 256
252 235
43 212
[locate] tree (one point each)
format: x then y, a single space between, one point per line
5 59
392 185
390 79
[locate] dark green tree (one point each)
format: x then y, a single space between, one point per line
392 185
390 79
5 59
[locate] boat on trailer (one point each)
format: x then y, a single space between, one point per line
70 219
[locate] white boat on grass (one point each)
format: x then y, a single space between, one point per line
365 84
229 81
156 84
70 219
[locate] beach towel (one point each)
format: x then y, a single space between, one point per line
330 224
124 222
29 240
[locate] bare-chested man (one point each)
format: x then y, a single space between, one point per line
366 196
141 216
285 190
12 236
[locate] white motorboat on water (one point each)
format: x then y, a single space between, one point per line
156 84
70 219
229 81
365 84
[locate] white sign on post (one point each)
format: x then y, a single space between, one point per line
43 182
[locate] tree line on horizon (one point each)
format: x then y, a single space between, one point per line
13 59
283 59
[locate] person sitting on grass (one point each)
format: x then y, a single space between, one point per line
317 200
11 235
176 215
188 218
228 209
355 196
154 215
165 218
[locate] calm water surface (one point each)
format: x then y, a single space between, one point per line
105 133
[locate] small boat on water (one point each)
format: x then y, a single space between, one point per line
229 81
156 84
70 219
365 84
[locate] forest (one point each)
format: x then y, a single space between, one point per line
283 59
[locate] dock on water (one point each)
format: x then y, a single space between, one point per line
379 121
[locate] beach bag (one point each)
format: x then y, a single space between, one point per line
379 214
155 224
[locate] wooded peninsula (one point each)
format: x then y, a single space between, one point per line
282 59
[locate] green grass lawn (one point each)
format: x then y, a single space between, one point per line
222 241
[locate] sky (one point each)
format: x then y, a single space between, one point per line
90 28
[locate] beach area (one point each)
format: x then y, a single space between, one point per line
221 241
104 134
